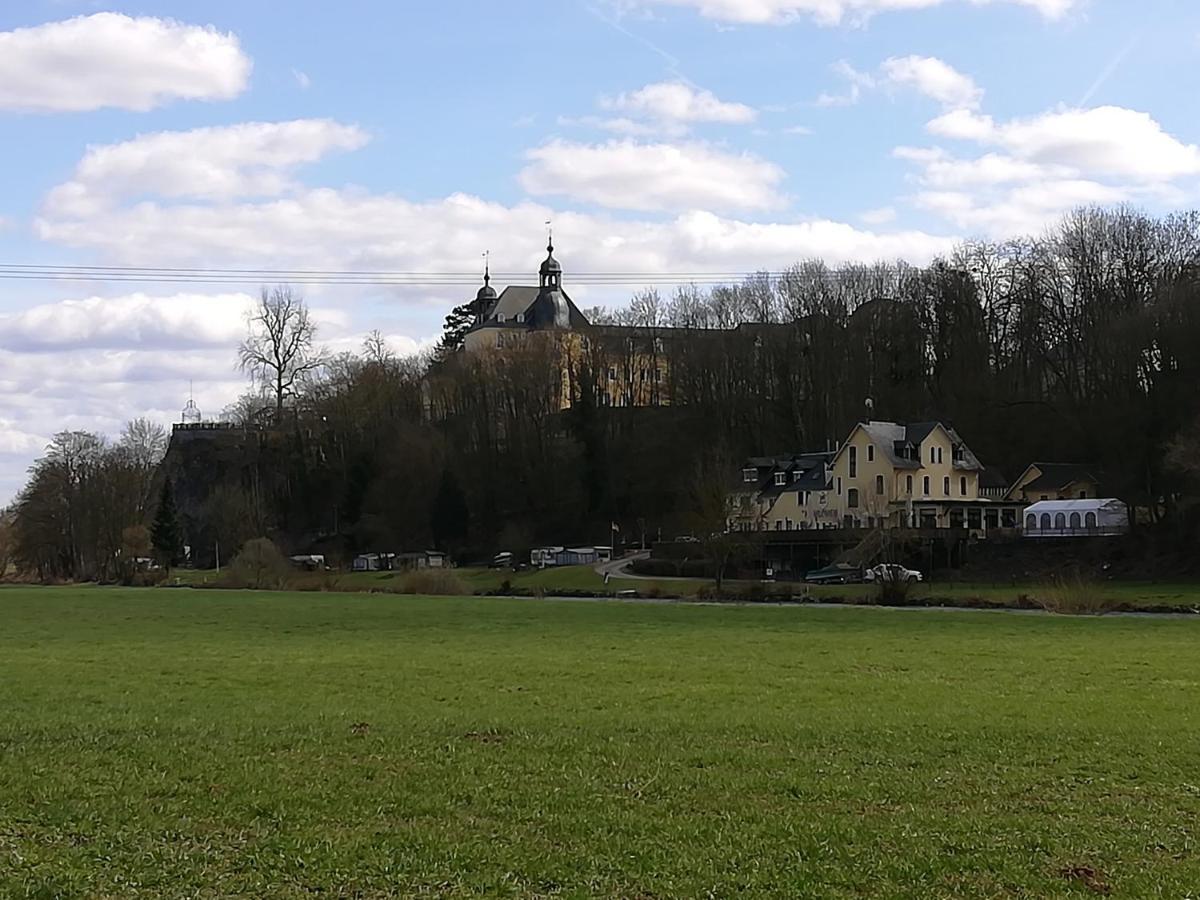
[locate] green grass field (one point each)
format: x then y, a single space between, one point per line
172 743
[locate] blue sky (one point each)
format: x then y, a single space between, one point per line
660 135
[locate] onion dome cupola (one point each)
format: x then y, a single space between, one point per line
550 309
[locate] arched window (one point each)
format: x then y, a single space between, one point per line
926 484
946 486
1076 521
1060 521
1045 521
1031 522
1090 519
879 484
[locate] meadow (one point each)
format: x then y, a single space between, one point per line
174 742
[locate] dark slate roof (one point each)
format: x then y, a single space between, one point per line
518 300
1056 476
811 467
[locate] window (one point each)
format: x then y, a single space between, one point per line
1045 521
749 476
839 485
780 479
778 525
787 524
852 498
879 485
1083 495
612 373
946 486
804 498
1060 521
1090 520
1031 522
932 455
926 486
939 449
870 453
1076 521
908 483
962 485
853 462
796 475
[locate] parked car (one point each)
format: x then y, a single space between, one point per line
838 573
893 573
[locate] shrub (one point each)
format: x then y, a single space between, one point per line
259 566
893 591
754 593
145 578
1075 595
315 581
433 582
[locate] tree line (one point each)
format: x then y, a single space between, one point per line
1078 345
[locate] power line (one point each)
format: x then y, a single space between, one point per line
362 277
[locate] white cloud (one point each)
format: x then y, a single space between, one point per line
1026 209
302 79
962 125
1046 165
835 12
798 130
1105 140
935 79
251 159
926 74
636 176
113 60
857 82
992 168
179 321
674 101
881 216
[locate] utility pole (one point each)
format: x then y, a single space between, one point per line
217 549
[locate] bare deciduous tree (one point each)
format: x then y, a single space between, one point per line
280 347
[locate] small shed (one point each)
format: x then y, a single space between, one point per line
1075 518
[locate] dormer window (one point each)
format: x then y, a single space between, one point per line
797 475
749 476
520 318
780 479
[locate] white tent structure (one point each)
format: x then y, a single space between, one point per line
1075 518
